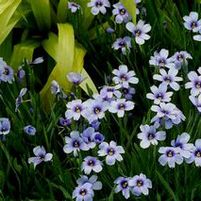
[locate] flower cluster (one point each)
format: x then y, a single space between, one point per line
195 88
161 60
85 141
114 99
167 114
110 98
138 185
193 23
180 151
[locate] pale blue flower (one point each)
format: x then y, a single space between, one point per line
182 143
161 60
40 156
140 184
159 94
74 144
90 164
75 109
84 192
120 106
123 77
192 22
195 82
75 78
111 151
74 7
170 156
98 6
120 13
122 185
196 154
5 126
149 135
30 130
169 78
123 44
139 31
96 185
88 137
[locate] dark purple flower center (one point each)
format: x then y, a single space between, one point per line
110 89
122 44
160 96
151 136
74 4
97 110
122 11
137 32
167 79
198 153
98 138
99 3
42 156
125 90
139 183
83 192
6 71
162 62
121 106
170 153
78 109
110 151
124 184
166 112
76 144
3 129
91 163
198 84
180 57
194 24
123 77
178 144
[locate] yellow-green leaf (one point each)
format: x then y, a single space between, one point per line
41 10
23 51
50 45
130 5
69 56
8 12
7 20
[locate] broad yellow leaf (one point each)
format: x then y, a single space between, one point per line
23 51
69 56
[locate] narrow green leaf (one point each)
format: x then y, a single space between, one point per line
61 11
166 186
41 10
130 5
87 16
6 49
